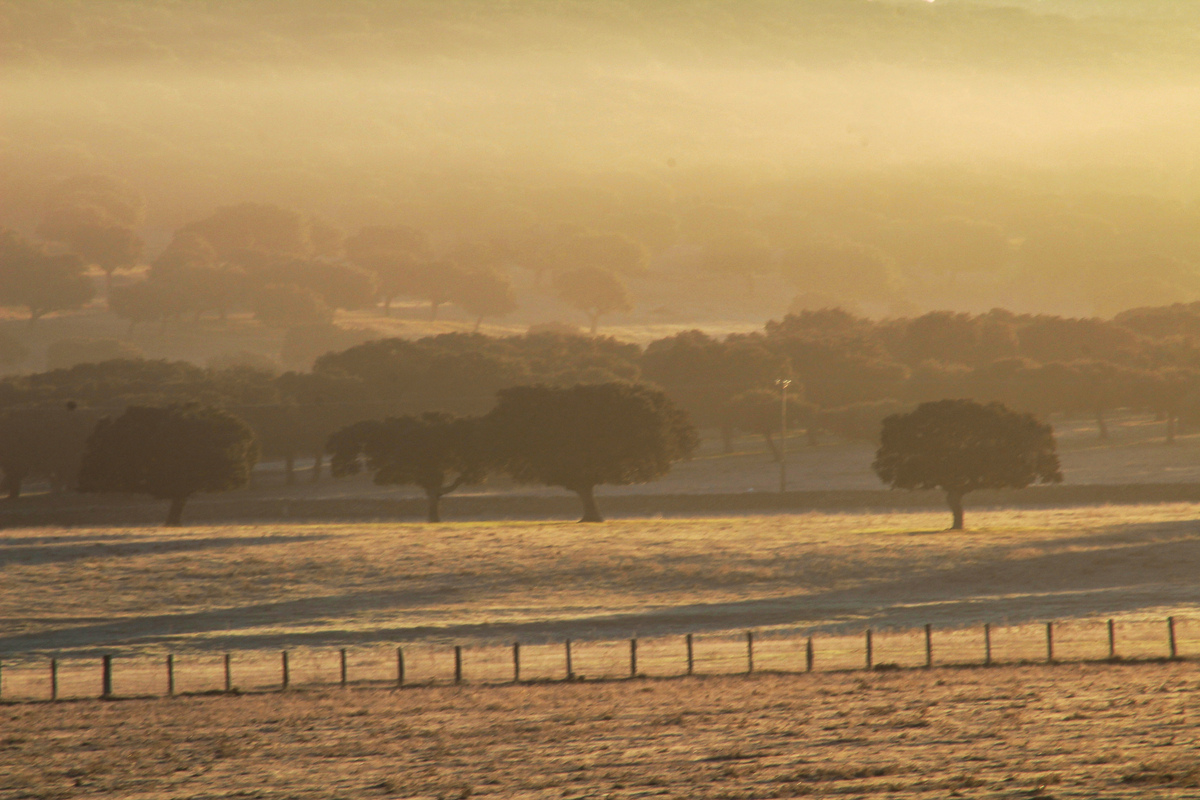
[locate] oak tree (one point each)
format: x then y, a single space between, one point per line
438 452
169 453
960 446
580 437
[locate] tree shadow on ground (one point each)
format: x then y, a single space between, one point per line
1121 574
93 549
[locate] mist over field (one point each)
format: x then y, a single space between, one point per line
1034 155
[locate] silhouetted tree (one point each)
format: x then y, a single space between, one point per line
759 412
244 232
485 293
66 353
394 253
338 285
42 442
587 435
40 281
593 291
286 305
169 453
435 451
147 301
960 446
96 217
702 373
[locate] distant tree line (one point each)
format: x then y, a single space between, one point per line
849 374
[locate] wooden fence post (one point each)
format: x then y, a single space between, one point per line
458 663
106 678
1112 641
633 658
228 673
570 668
869 653
170 674
987 644
928 646
285 678
749 652
342 654
1049 642
691 661
516 662
54 679
809 655
399 667
1171 638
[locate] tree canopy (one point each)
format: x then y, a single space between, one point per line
436 451
961 446
580 437
169 453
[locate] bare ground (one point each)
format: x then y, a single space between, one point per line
1083 731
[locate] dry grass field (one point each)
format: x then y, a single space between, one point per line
1082 731
128 590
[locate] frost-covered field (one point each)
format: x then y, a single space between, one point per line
1082 731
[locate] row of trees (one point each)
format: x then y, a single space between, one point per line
844 383
575 438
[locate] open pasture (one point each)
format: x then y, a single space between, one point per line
1068 731
292 586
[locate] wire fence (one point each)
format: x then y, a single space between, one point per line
422 664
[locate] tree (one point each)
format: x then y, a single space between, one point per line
394 253
240 232
42 442
436 451
41 282
66 353
587 435
960 446
485 293
593 291
146 301
95 216
169 453
758 411
286 305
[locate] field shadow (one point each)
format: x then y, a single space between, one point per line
1122 573
58 553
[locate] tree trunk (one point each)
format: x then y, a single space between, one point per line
387 306
175 514
770 438
1101 425
590 512
434 501
954 499
289 469
478 322
318 459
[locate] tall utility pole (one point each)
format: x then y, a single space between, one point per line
783 384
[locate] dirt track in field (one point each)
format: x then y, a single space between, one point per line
1111 731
